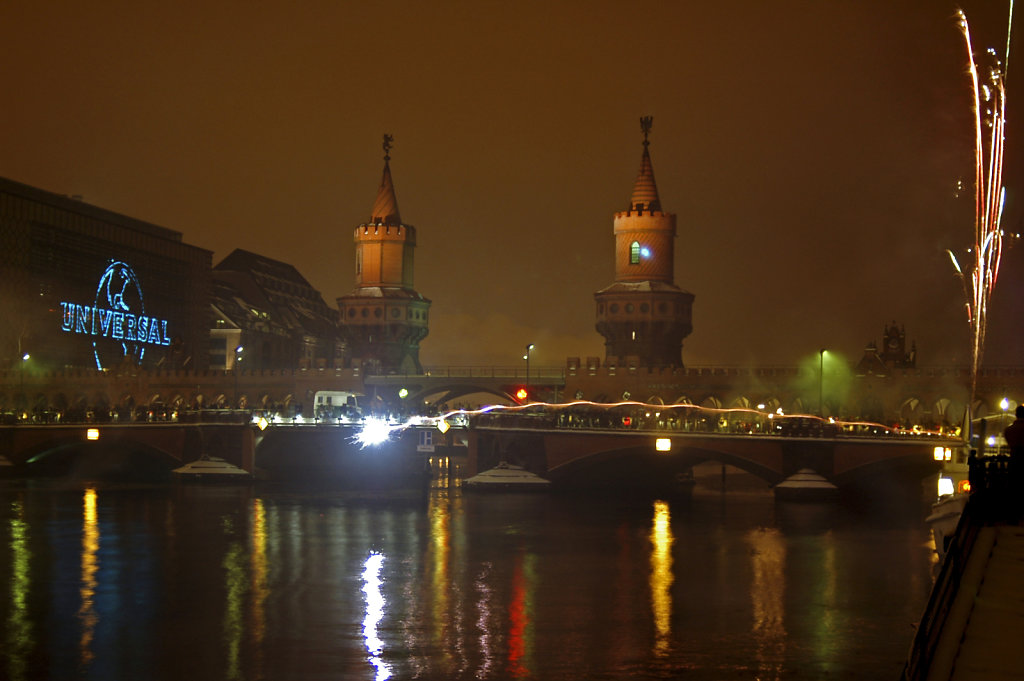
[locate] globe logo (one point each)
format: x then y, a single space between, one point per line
119 291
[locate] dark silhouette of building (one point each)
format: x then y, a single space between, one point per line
644 316
893 355
267 316
86 288
383 320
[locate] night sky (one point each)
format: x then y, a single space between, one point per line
810 150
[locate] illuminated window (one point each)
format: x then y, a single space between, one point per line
634 253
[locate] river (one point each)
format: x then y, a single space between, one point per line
209 582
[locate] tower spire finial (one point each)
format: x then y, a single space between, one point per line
646 123
388 139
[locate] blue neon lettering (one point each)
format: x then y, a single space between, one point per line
82 318
97 321
68 323
104 316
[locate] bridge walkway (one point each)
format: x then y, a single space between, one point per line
973 628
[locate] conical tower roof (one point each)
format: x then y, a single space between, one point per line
645 190
385 206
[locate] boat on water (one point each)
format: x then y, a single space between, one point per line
506 477
944 518
806 485
212 469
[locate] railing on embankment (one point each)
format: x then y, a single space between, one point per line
994 500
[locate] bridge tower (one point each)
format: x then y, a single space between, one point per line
384 319
644 316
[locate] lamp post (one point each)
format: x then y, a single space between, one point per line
821 383
529 349
238 359
21 375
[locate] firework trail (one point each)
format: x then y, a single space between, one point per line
989 128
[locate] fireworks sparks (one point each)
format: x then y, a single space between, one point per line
989 130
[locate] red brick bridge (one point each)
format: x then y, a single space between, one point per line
104 449
590 457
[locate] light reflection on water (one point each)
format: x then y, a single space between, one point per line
374 613
203 583
90 548
661 577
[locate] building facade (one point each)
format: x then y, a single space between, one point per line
643 315
85 288
383 320
266 315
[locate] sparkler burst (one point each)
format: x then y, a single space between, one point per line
989 131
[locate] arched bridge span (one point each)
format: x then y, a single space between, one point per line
566 455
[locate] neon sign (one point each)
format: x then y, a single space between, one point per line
117 319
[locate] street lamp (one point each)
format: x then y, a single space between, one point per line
238 359
821 383
24 358
529 349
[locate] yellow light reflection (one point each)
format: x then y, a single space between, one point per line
18 642
260 591
90 565
661 577
440 534
767 589
234 582
374 613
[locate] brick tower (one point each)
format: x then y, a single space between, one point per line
384 319
644 316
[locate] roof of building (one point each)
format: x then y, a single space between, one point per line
646 286
271 291
385 206
645 190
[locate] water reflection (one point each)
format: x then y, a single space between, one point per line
18 643
661 577
234 606
90 547
374 614
767 590
520 634
283 584
260 590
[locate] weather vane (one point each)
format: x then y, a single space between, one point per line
646 122
388 139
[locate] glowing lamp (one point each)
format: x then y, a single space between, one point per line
945 486
964 486
263 423
403 393
942 453
92 434
663 444
521 394
627 421
443 426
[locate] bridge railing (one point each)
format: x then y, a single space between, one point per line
693 419
513 373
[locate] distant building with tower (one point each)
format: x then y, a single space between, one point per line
383 320
892 356
643 315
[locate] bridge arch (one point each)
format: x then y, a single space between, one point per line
606 466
